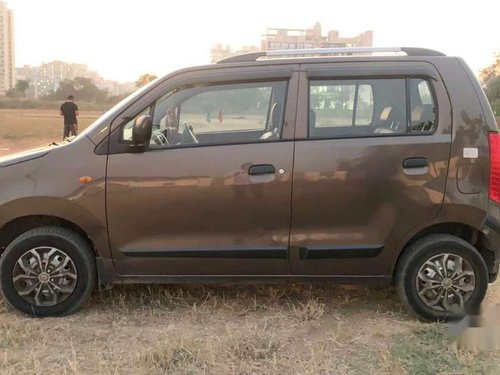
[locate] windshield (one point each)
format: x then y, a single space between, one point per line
112 111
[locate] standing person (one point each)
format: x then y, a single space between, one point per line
70 112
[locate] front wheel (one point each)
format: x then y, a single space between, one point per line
47 271
442 277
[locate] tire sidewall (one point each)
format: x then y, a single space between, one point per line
14 251
421 254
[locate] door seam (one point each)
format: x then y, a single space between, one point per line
292 174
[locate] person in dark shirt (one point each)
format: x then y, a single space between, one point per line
70 112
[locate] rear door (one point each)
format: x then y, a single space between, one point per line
371 159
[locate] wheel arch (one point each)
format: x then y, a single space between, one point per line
27 213
472 235
14 228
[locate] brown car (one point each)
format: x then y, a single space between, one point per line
268 166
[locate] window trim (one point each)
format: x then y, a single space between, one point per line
408 104
119 146
355 105
406 78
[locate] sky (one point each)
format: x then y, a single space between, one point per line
122 39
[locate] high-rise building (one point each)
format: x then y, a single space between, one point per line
275 39
45 79
7 57
312 38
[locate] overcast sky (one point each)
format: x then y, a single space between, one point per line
122 39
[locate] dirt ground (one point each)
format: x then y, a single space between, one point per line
224 329
227 329
22 129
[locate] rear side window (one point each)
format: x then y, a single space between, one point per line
423 111
341 104
370 107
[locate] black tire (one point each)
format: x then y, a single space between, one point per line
69 242
424 249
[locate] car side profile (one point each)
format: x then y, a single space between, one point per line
336 165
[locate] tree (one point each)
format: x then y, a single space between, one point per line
491 71
64 89
19 90
21 86
490 77
88 91
82 88
492 91
144 80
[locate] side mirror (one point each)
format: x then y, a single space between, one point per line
141 131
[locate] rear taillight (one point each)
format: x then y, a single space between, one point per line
495 167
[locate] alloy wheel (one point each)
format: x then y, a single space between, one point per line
445 282
44 276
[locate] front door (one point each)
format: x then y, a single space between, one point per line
370 165
212 194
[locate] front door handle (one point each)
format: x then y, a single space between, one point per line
260 169
415 163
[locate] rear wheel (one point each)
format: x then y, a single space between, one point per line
442 277
48 271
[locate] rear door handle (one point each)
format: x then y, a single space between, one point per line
415 163
260 169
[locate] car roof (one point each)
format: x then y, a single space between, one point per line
344 51
308 60
321 55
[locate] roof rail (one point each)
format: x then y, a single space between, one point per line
254 56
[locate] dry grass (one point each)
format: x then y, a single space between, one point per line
27 128
230 329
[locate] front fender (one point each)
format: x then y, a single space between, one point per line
90 221
51 185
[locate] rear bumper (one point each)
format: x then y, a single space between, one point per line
491 241
493 277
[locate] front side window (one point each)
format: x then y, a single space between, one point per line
370 107
218 114
227 110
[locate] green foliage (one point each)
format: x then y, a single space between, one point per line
429 351
490 77
493 93
22 85
19 91
490 72
144 80
82 88
23 103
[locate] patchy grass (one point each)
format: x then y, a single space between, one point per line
310 310
258 346
426 350
236 329
172 356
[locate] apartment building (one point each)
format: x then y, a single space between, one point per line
7 51
275 39
45 78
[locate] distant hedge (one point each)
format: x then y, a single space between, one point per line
17 103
